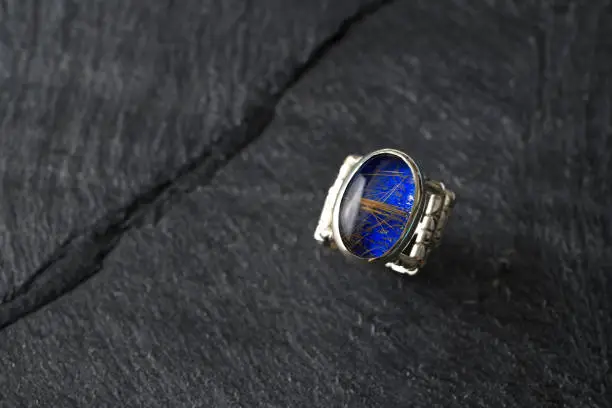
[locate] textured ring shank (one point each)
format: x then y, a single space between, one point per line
438 204
323 233
429 230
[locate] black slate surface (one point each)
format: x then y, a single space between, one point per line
111 106
211 291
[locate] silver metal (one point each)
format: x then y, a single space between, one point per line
323 233
424 229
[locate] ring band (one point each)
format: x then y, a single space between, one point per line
381 209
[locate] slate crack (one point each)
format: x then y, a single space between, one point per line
82 255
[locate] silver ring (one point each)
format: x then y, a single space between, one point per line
380 209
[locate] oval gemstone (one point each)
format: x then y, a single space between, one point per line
376 206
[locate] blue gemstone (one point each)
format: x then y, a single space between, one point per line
376 206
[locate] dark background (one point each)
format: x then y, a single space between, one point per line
162 168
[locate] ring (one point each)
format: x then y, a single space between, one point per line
381 209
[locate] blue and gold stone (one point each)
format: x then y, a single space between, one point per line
375 208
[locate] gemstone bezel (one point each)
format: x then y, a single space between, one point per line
415 212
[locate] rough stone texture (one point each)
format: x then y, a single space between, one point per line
109 106
223 298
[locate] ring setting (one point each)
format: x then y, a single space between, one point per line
380 209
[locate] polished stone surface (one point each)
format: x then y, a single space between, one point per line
376 206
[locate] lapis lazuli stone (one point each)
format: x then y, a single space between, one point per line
376 206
